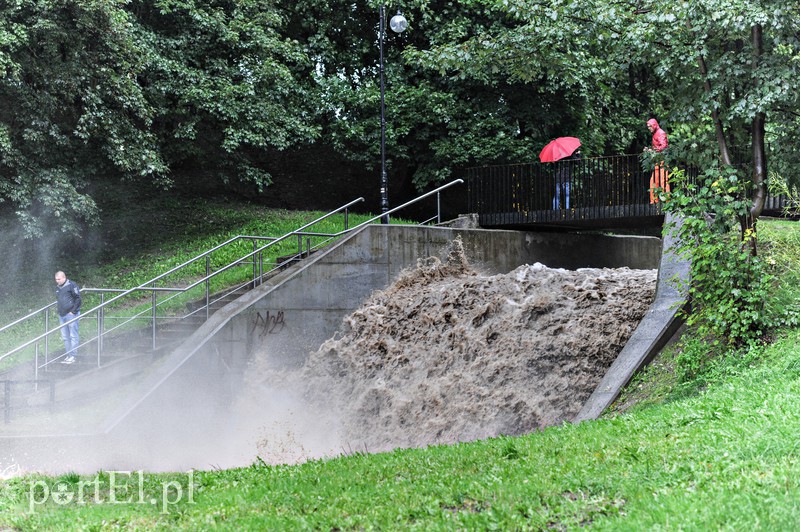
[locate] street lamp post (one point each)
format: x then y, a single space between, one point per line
398 25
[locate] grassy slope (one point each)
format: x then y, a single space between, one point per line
142 237
725 457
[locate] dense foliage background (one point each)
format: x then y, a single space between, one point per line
228 94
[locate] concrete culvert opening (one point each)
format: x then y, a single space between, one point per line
447 354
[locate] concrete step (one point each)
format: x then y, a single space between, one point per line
75 384
218 300
93 380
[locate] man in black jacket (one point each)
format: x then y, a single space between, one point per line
68 299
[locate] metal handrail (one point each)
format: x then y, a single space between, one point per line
144 287
31 315
300 232
149 286
331 236
406 204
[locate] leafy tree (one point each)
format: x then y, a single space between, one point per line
226 82
154 90
436 120
732 64
93 90
717 69
558 54
69 103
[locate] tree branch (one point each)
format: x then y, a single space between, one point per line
721 141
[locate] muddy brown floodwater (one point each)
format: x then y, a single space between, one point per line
448 354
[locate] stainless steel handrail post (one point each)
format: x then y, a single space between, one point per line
255 263
260 267
46 338
438 208
99 336
101 316
153 297
208 285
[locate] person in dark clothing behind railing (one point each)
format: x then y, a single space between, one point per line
564 175
68 302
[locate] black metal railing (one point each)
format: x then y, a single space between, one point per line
567 191
571 189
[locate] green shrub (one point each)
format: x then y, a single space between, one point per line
730 286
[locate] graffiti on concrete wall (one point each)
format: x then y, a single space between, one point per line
269 324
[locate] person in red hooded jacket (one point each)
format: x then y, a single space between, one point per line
659 178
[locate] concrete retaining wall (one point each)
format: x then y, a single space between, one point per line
293 318
290 316
661 322
181 401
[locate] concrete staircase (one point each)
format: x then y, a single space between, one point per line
172 332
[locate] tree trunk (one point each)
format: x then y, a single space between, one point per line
759 153
759 150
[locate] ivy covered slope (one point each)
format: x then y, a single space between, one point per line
710 448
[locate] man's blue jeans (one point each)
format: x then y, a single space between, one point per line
562 191
69 333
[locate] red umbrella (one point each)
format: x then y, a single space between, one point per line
559 148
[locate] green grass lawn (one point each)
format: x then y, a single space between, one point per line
724 459
721 454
